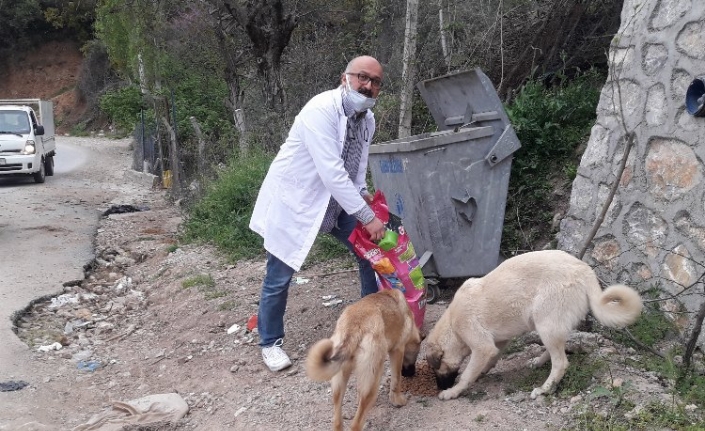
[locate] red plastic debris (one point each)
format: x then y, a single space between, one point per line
252 322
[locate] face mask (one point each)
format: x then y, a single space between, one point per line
358 101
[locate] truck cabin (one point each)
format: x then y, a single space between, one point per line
16 122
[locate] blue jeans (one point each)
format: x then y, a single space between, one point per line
275 287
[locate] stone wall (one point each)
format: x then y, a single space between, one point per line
654 230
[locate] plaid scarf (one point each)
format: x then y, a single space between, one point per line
352 152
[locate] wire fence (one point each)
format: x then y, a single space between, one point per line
146 156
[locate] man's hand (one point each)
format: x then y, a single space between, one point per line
376 229
368 198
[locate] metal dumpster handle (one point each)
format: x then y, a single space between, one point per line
507 144
465 205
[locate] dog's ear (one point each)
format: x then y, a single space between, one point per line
434 356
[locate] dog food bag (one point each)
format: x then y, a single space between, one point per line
393 258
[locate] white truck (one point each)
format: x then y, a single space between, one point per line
27 142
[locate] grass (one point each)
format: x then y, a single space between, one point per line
79 130
222 216
327 247
227 305
691 387
653 416
515 345
214 294
206 285
616 412
652 326
204 281
578 377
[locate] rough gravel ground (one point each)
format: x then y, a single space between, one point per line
153 329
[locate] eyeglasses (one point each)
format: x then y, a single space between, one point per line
364 78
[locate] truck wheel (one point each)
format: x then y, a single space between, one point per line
49 166
40 176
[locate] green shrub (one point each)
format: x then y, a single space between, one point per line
222 217
200 96
551 123
122 106
691 387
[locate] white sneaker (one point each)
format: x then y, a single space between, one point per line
274 357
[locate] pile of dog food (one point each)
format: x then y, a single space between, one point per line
423 383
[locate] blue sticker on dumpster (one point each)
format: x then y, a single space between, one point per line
391 166
399 205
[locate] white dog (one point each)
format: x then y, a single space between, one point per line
545 291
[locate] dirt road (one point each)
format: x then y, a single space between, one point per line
46 237
153 316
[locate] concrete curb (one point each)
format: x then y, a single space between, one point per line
145 179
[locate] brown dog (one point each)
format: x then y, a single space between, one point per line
545 291
367 331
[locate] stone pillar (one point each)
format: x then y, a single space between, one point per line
654 230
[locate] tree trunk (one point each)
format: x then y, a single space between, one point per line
693 341
241 126
409 65
173 158
444 35
201 162
236 95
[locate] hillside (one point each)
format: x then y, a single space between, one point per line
51 72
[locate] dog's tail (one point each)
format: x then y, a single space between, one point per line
617 306
324 360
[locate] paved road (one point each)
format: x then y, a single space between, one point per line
45 239
46 233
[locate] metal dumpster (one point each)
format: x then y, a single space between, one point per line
450 186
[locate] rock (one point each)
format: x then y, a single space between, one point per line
83 355
576 399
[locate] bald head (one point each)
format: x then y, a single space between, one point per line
369 69
364 62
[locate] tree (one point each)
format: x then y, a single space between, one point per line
269 29
16 17
73 17
407 92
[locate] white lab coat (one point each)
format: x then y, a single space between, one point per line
305 173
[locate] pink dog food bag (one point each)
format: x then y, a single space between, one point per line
393 258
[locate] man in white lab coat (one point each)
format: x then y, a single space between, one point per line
316 184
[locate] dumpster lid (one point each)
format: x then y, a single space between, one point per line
427 141
462 98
